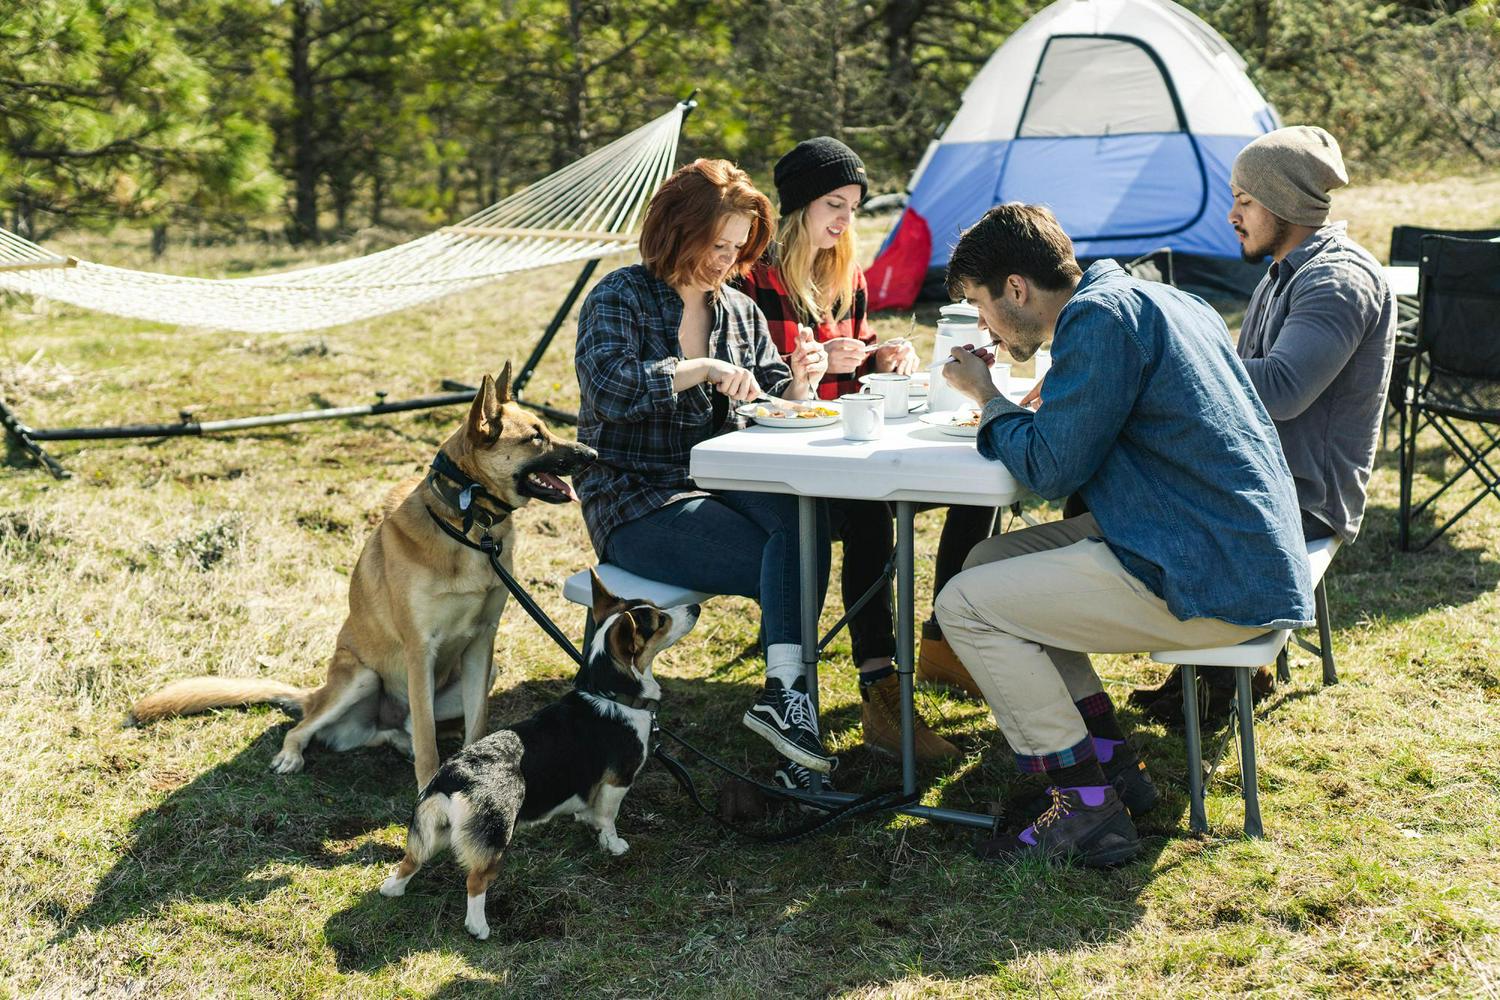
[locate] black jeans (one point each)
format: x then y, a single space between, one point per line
868 533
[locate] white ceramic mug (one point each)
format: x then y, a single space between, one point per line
1000 375
895 388
1043 364
863 415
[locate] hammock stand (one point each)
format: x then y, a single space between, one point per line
601 242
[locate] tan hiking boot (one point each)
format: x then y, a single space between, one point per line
880 714
937 663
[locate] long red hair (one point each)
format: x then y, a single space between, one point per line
684 216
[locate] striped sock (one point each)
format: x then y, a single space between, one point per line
1099 717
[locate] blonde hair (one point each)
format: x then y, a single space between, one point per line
820 283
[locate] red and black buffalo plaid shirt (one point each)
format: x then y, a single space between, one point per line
764 285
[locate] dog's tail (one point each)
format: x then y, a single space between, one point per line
201 694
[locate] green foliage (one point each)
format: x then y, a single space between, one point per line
1398 83
213 112
103 115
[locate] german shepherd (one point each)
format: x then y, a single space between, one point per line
577 756
418 645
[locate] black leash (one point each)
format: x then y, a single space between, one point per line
874 802
492 551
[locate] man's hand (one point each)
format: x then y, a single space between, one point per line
845 354
1033 398
808 362
968 371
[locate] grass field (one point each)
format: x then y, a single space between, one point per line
168 861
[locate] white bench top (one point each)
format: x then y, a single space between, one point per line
579 589
1262 649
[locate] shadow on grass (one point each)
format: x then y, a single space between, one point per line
640 914
1397 585
685 889
208 839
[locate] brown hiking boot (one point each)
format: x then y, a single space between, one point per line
1216 696
937 663
880 714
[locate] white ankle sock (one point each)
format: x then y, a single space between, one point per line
784 662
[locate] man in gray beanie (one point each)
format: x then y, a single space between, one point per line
1317 342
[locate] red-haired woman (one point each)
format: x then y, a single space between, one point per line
665 351
812 290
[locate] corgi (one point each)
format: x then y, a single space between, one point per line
577 756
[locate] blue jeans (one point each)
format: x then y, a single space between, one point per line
730 543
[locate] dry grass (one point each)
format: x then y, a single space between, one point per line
167 861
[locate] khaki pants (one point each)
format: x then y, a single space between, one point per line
1028 608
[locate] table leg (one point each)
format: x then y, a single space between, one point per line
1197 814
905 639
807 551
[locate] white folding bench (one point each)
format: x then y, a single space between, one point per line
580 590
1247 657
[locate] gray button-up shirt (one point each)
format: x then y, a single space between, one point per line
1317 342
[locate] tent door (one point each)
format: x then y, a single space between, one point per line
1103 142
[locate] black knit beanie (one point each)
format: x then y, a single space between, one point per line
813 169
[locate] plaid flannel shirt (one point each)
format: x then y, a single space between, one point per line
764 285
627 354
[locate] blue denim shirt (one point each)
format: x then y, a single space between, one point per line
1149 415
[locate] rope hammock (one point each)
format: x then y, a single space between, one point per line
582 212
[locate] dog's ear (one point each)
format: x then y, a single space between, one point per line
502 385
484 416
605 603
624 642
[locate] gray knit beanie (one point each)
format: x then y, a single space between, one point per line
1291 171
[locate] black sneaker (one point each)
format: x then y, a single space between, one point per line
795 778
1087 826
785 717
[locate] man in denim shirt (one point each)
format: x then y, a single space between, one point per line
1193 537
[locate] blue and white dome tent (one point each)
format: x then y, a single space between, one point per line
1123 116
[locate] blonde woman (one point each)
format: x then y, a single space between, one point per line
813 293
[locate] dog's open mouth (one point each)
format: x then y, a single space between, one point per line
546 487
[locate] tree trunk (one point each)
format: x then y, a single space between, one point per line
377 194
158 239
305 159
901 18
567 144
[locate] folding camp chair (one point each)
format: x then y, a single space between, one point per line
1406 250
1153 266
1456 389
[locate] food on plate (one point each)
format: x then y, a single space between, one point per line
970 419
798 413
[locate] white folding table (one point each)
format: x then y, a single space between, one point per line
912 463
1403 279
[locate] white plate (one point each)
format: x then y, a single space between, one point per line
948 421
786 423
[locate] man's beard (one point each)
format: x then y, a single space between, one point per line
1256 254
1026 332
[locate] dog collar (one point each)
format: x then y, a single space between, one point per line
460 491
